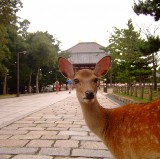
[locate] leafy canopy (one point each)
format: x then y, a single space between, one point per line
148 7
128 61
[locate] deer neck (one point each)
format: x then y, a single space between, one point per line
96 117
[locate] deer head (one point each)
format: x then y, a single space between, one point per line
85 80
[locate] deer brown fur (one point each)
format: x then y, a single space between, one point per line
131 131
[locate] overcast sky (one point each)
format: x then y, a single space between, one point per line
73 21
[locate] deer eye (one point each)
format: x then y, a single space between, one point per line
96 80
76 81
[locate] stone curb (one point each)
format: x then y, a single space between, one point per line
123 99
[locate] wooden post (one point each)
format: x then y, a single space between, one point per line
113 89
150 93
119 89
142 91
135 91
131 91
124 89
127 90
158 92
116 89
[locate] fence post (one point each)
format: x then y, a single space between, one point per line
127 90
135 91
131 90
118 89
113 89
142 91
121 89
124 89
158 92
150 92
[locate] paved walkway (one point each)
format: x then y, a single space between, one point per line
48 126
12 109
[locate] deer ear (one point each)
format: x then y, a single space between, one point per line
102 66
65 67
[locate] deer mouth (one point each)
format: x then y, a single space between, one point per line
87 101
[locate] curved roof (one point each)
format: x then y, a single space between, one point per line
86 47
86 53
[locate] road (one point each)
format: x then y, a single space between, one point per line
48 126
12 109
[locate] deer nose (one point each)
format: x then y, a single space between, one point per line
89 95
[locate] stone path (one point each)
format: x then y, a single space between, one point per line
53 131
12 109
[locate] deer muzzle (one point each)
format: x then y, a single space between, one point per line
89 95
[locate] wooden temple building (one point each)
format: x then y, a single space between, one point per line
86 55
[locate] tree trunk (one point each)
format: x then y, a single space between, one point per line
29 83
5 84
154 72
140 81
110 78
37 87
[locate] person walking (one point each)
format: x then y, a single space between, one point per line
57 86
69 84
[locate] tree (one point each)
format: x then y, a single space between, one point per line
23 28
150 47
8 10
42 48
151 7
15 44
42 52
126 55
158 79
4 56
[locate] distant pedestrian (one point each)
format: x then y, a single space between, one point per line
57 86
69 84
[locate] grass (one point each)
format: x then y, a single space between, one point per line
137 99
7 96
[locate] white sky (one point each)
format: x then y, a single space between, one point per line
73 21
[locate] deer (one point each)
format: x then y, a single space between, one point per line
131 131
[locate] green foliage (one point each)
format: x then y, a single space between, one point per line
8 10
128 63
151 45
41 49
23 27
151 7
64 54
4 51
8 34
3 43
158 75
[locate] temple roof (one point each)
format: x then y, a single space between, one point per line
84 47
86 53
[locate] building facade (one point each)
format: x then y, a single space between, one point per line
85 55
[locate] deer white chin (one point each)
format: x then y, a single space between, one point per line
85 100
